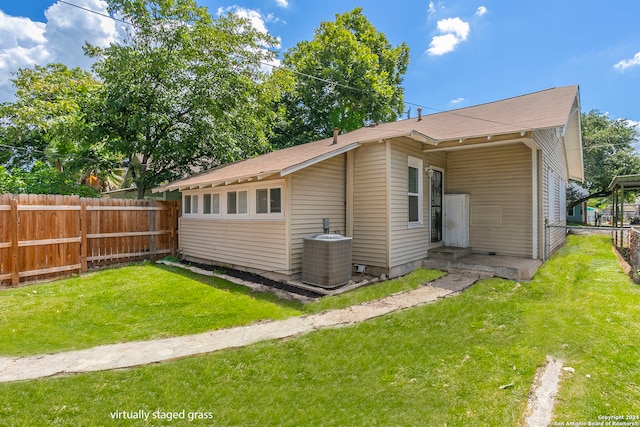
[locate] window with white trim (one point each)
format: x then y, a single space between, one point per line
186 204
268 200
562 191
251 201
237 202
190 204
551 188
211 204
414 190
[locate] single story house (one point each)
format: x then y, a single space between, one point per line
583 214
386 186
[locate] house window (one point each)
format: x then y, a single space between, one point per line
215 204
268 200
562 191
206 204
553 204
186 204
414 192
190 205
211 204
237 202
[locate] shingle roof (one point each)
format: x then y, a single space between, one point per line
549 108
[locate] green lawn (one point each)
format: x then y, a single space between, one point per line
148 301
126 304
434 365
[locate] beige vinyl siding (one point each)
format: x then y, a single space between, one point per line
406 244
438 160
257 245
498 180
553 160
317 192
370 205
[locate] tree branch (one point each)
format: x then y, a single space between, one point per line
601 193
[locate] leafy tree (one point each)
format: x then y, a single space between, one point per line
42 179
359 75
608 151
183 91
47 110
47 124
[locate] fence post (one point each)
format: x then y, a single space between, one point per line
83 236
173 218
15 223
152 227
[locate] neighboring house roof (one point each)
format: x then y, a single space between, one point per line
551 108
625 181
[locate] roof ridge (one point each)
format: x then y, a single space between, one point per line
487 103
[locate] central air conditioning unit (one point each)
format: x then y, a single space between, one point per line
326 260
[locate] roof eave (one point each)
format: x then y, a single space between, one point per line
572 135
315 160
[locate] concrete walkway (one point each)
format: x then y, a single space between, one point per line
130 354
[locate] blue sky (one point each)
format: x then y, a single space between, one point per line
463 52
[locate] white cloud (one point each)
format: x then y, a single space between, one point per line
481 11
69 28
454 25
457 100
25 43
257 21
627 63
282 3
435 6
443 44
454 31
21 42
255 17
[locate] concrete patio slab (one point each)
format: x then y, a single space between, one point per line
512 268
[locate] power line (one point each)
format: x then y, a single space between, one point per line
331 82
96 12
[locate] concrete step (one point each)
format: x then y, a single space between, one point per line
506 267
449 253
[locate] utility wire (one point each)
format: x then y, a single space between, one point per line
333 83
96 12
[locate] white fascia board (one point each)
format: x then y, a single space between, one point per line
318 159
421 137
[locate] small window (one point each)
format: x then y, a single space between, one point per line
186 206
194 204
215 204
553 203
262 201
232 202
237 202
275 200
242 202
206 204
268 200
414 190
211 204
190 205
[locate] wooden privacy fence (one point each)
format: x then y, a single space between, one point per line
47 237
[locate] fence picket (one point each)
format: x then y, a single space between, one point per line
45 237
